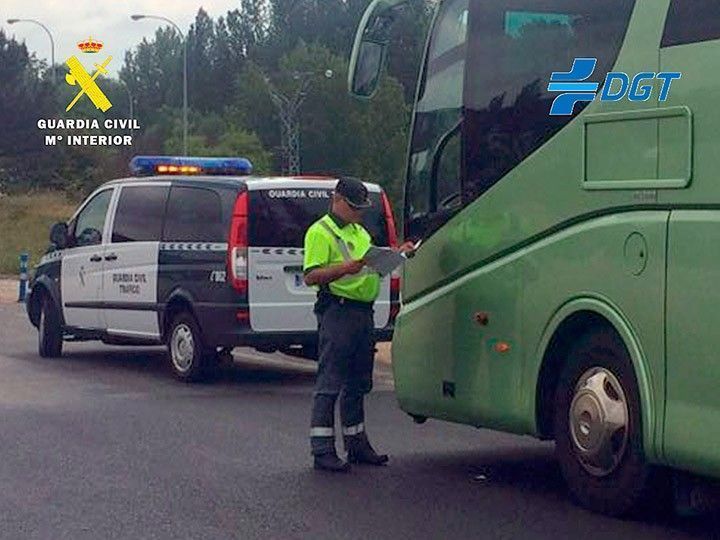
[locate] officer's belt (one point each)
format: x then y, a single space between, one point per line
341 300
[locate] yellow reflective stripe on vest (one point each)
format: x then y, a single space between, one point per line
345 252
339 242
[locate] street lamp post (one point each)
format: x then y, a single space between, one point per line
185 72
288 107
130 100
52 42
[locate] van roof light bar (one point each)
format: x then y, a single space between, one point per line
170 165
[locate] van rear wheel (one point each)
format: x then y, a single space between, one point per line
598 430
190 360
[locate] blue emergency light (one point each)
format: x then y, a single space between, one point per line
176 165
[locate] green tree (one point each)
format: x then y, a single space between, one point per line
203 81
338 134
214 136
26 96
231 111
332 24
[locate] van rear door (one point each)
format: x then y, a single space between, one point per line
279 215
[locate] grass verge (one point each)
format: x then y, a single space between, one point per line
25 222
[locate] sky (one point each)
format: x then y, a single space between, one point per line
71 21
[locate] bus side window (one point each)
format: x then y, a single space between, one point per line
691 21
514 46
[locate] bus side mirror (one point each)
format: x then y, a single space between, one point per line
370 48
59 235
371 60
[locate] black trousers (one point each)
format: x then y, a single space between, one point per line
346 357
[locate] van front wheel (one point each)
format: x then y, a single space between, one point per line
50 333
598 430
189 359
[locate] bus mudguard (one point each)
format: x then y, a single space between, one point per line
605 309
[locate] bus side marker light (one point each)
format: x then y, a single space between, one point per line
502 347
482 318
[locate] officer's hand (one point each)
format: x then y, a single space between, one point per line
354 267
407 248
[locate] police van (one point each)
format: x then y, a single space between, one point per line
196 254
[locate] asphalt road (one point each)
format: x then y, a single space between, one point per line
104 444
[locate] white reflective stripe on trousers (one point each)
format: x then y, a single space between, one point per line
322 432
354 430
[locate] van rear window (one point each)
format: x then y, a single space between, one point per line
280 217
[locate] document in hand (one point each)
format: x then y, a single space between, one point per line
383 260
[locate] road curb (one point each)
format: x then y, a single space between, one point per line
8 290
384 353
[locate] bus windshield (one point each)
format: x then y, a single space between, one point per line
487 70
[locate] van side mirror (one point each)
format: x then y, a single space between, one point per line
369 52
89 237
59 235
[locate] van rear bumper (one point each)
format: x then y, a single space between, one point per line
221 328
249 338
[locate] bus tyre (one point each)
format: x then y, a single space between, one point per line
190 360
50 334
598 430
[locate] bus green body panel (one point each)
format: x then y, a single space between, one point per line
692 426
589 266
617 213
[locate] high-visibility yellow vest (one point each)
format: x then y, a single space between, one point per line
327 244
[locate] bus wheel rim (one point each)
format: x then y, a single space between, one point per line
182 348
599 421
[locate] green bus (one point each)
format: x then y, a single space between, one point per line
565 287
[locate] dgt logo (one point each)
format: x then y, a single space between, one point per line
575 90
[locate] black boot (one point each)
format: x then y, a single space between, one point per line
331 462
360 451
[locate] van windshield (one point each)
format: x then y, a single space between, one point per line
280 217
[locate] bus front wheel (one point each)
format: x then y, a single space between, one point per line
598 430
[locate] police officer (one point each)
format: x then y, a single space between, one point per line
334 248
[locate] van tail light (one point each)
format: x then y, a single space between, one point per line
395 285
393 242
394 311
394 296
389 221
238 245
